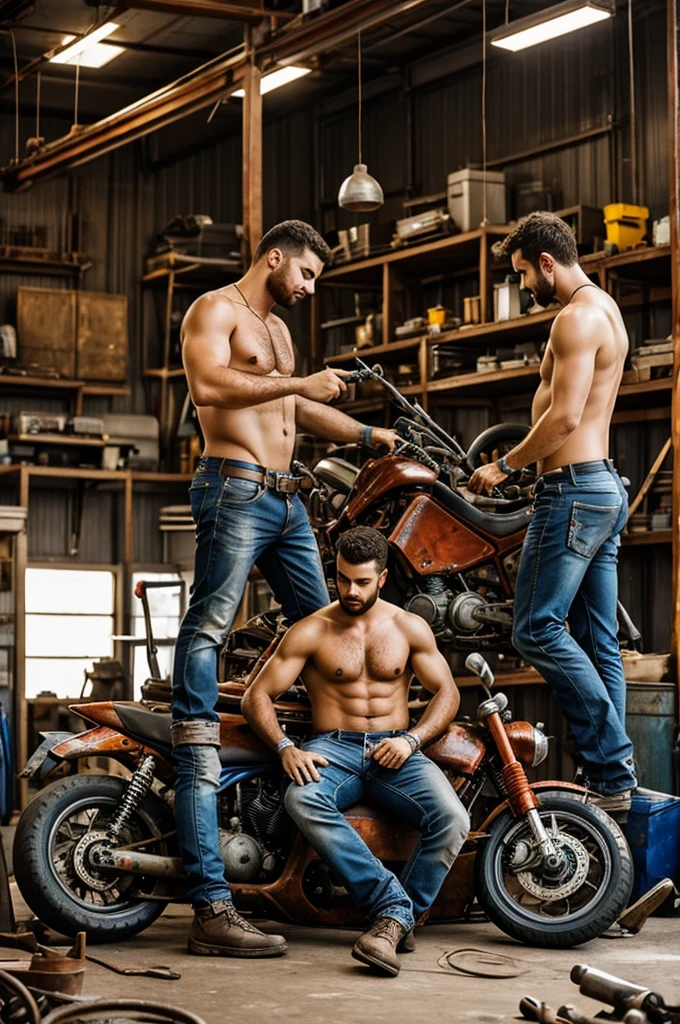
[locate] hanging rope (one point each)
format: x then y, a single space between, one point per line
37 105
75 110
359 75
16 99
507 11
633 120
484 217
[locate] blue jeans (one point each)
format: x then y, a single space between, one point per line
568 572
418 792
239 524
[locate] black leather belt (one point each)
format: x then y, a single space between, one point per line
274 479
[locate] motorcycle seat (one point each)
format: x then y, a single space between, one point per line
489 522
153 728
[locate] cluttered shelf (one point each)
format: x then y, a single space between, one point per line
462 250
190 270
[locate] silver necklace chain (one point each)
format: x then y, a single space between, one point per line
271 340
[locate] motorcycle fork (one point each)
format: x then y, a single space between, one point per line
523 800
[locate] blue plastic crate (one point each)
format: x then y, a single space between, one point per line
653 834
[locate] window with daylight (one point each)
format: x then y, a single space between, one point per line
69 624
166 605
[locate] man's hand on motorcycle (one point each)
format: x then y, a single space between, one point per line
325 385
389 438
300 765
485 478
392 752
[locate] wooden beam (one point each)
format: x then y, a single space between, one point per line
649 479
226 9
252 161
673 42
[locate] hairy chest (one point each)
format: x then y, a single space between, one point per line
381 658
260 348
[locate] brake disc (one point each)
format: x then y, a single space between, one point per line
577 858
82 864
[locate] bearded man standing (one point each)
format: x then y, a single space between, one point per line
569 558
239 362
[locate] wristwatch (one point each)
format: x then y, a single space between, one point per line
502 464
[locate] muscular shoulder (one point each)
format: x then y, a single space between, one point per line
304 636
577 327
414 629
211 313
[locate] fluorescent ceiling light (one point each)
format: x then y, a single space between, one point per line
548 24
88 51
282 76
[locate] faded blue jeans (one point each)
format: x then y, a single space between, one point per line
418 792
568 571
239 524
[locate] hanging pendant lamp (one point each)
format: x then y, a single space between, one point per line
360 192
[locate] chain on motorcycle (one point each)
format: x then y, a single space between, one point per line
138 787
578 862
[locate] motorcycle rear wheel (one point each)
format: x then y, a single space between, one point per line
564 912
53 877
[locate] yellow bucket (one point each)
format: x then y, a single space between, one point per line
626 224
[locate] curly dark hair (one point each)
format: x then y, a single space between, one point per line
363 544
293 236
540 232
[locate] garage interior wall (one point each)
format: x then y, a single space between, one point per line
419 124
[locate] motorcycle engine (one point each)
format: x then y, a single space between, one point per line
445 612
243 856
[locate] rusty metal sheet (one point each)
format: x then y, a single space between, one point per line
46 329
101 336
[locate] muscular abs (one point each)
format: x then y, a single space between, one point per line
264 434
359 684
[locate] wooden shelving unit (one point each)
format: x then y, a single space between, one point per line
77 389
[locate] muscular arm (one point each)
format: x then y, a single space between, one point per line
277 676
574 345
325 422
433 672
206 353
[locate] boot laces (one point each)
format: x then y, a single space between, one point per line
234 918
388 928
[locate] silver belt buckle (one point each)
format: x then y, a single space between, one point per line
284 483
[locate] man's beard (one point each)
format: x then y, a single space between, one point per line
544 292
359 609
281 293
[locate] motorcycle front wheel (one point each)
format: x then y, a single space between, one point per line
564 909
55 876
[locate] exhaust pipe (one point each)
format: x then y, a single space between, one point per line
133 863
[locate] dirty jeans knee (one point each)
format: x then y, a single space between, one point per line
197 767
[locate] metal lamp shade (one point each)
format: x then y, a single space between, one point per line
360 192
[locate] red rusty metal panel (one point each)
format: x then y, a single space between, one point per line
382 475
458 749
432 541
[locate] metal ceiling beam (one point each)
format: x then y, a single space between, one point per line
198 90
227 9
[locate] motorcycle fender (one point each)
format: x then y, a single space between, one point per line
99 742
537 787
42 760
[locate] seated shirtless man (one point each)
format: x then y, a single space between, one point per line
356 658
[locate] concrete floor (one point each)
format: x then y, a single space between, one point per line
318 981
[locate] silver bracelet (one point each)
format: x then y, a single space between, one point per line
284 742
414 740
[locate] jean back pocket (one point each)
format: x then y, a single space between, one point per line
590 526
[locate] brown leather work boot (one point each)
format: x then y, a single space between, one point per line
408 943
378 946
218 930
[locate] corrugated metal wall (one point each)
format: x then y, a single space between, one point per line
541 97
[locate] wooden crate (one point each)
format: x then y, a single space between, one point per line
46 329
102 336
